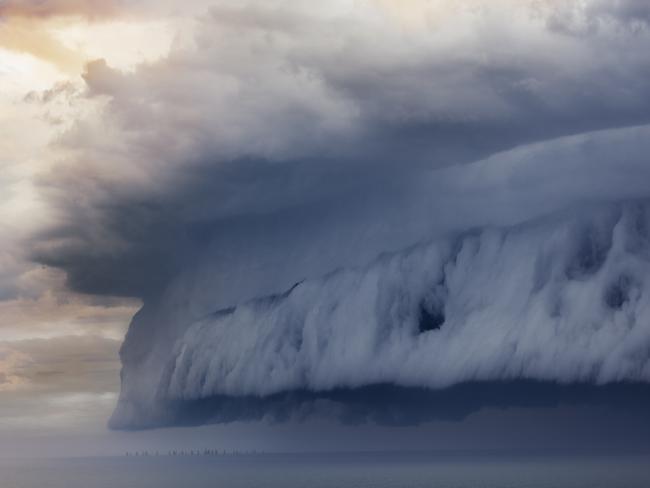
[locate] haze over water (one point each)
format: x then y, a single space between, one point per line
359 470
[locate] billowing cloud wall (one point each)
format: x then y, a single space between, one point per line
557 293
297 191
565 301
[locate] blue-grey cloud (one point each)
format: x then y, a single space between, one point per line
630 12
563 300
316 198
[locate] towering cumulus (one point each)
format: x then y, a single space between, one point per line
394 210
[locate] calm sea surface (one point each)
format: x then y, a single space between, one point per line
344 471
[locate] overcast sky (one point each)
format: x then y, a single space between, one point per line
194 156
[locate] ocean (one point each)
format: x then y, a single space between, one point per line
379 470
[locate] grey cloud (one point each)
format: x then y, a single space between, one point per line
275 107
390 405
52 8
285 143
93 10
8 273
631 12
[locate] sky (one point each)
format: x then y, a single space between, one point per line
285 188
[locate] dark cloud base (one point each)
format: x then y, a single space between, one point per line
398 406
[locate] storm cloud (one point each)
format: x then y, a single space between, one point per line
296 189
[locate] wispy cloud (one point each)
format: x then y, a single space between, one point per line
91 9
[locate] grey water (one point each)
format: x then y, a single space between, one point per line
378 470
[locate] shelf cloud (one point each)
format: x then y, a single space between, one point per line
318 198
